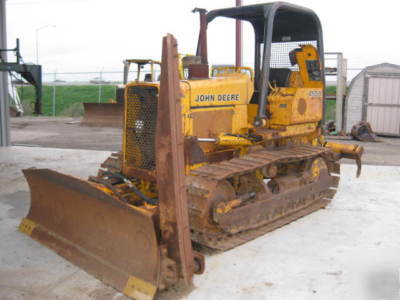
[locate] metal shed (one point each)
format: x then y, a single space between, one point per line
374 96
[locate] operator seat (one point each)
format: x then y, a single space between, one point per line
280 75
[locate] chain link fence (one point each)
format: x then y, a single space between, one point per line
64 92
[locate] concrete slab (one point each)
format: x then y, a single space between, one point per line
27 269
347 251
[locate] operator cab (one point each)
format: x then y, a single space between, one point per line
288 48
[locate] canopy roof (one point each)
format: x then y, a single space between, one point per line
290 22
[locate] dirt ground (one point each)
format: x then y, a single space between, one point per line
63 132
68 133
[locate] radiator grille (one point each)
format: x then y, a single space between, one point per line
140 128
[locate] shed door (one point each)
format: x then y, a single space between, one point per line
383 104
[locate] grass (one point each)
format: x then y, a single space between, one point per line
331 90
330 110
68 98
330 105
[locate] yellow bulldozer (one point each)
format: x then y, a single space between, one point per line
111 113
211 160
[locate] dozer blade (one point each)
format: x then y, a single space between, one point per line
106 237
103 114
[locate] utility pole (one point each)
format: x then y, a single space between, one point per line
100 84
239 39
4 109
54 93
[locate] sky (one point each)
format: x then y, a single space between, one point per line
95 35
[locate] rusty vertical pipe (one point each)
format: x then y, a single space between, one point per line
202 43
203 30
239 39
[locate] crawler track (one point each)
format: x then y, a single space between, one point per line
267 211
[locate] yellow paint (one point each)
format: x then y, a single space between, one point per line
350 149
295 80
292 130
229 70
232 89
27 226
147 188
251 114
315 142
308 53
229 140
315 169
339 147
295 111
227 92
290 106
223 208
103 188
139 289
259 174
194 167
239 119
